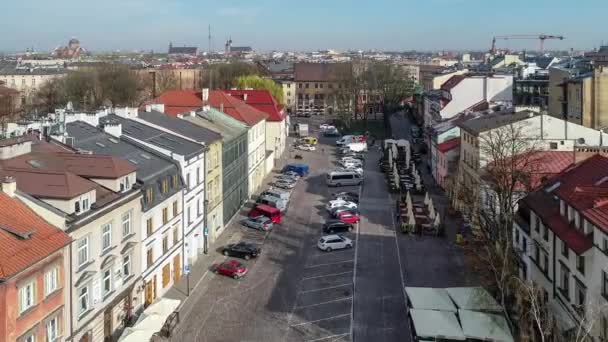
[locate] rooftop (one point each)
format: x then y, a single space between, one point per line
323 72
449 145
261 100
181 127
180 101
493 121
25 238
235 108
219 122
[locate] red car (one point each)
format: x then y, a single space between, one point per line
348 217
230 268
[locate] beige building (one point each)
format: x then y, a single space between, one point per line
587 98
289 94
90 197
317 84
557 98
28 78
433 76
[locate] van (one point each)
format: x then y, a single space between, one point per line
272 213
309 140
284 195
347 139
273 202
301 169
340 178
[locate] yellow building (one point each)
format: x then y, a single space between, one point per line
215 208
557 76
587 98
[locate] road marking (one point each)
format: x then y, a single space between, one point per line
323 303
326 288
352 304
330 263
320 320
326 337
327 275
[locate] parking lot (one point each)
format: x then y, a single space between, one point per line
296 292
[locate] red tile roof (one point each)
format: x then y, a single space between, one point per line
583 186
16 252
180 101
449 145
261 100
235 108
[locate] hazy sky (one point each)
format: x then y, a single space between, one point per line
299 24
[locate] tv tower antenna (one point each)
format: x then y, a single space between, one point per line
209 48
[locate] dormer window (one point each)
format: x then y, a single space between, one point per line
149 195
125 184
164 186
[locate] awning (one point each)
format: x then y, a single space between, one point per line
562 317
151 321
427 298
434 325
473 298
485 326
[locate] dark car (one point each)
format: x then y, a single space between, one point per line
242 250
230 268
335 226
346 193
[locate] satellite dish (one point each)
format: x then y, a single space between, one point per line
580 141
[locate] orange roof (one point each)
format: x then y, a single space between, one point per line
235 108
25 238
180 101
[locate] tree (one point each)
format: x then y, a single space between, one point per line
222 76
49 96
507 160
165 80
118 85
257 82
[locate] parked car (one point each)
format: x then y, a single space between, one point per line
335 212
301 169
292 174
340 203
348 217
230 268
333 226
348 198
351 163
306 147
242 250
332 242
284 184
309 140
346 193
258 222
287 177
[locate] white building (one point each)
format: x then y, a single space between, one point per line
567 248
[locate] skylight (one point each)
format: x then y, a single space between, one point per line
601 181
100 144
133 161
113 140
145 156
35 163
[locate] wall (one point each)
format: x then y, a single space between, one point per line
289 94
234 175
68 206
276 137
215 208
556 77
257 155
28 84
467 93
14 325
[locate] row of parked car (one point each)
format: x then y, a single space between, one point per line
344 212
267 212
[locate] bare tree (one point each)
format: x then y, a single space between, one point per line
166 80
505 164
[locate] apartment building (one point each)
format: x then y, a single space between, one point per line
34 258
558 74
317 85
190 156
433 76
586 100
256 135
212 140
94 199
277 123
159 182
567 246
28 78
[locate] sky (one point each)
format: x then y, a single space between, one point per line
300 25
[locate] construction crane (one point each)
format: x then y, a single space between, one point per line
540 37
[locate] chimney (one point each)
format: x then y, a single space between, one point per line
222 107
9 186
245 97
205 96
114 129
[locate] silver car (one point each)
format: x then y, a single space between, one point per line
284 184
332 242
259 222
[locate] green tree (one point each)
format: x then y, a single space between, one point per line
222 76
257 82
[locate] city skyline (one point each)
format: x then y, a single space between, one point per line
270 25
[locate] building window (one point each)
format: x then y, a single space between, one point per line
199 210
126 223
165 244
605 245
299 85
83 300
524 244
85 204
126 265
175 209
52 329
165 215
306 85
189 215
150 257
83 250
51 280
580 264
166 275
164 186
149 226
188 180
175 235
106 236
553 146
77 207
149 195
565 250
565 280
27 296
175 181
581 296
545 232
107 282
198 175
545 262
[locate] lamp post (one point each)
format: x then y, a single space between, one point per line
206 228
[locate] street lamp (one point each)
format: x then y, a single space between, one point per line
206 228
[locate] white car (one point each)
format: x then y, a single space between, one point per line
284 184
340 203
306 147
332 242
351 164
355 169
327 127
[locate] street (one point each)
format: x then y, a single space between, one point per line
295 292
